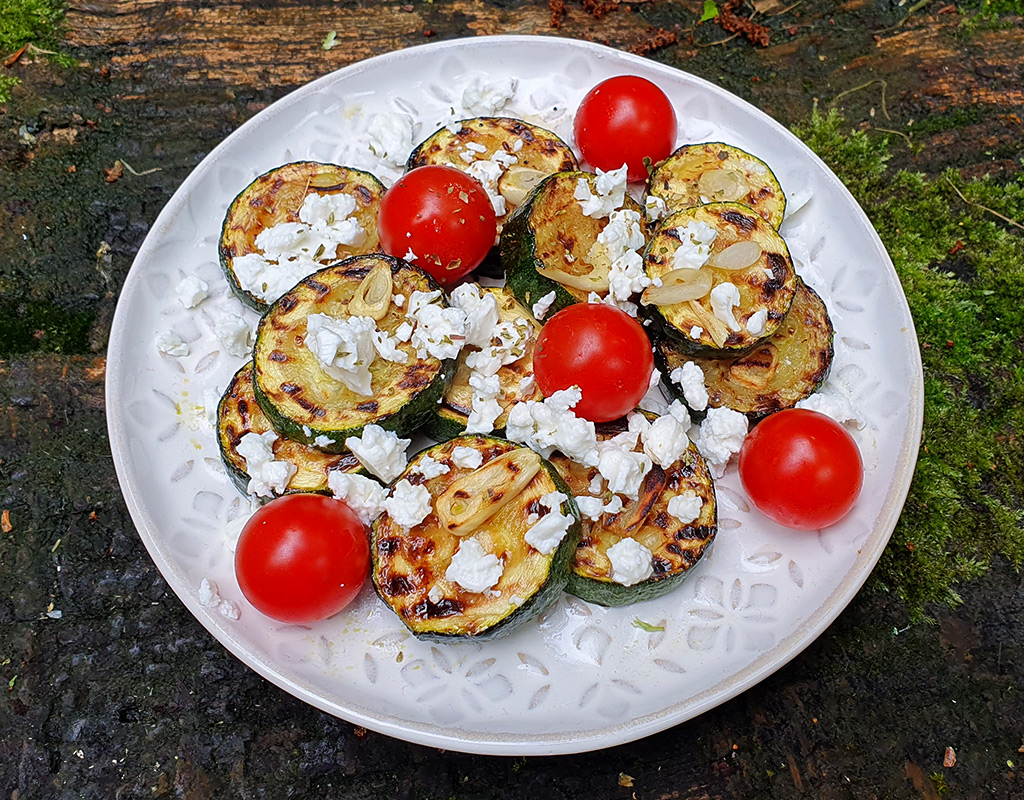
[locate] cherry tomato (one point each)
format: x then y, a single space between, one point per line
602 350
440 219
622 121
302 557
801 469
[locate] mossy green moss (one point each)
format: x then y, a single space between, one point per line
962 269
36 22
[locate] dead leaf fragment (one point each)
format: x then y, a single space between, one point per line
949 760
625 780
5 522
114 172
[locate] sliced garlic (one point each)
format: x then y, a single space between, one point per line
678 286
517 182
373 295
715 328
722 185
325 180
594 281
737 256
474 498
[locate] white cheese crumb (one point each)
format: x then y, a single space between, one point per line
542 306
665 440
408 505
363 495
550 425
623 469
209 596
833 403
690 378
344 348
613 506
267 476
435 595
481 310
489 172
686 507
483 98
526 384
695 240
724 298
696 331
234 334
473 568
467 457
611 193
322 441
547 533
391 139
590 507
757 321
380 451
170 343
655 207
430 467
438 331
631 562
191 291
721 436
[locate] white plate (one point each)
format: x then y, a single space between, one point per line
583 677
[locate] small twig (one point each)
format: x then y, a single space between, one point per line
916 7
720 41
13 59
890 130
41 51
983 208
865 86
787 8
128 167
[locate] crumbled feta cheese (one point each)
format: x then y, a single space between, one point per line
832 403
617 246
686 507
757 321
631 562
398 300
435 595
527 384
430 467
268 280
322 441
380 451
408 505
387 347
623 469
209 594
666 440
467 457
696 331
410 256
690 378
267 477
613 506
191 291
797 200
724 298
170 343
391 138
611 193
229 609
330 216
550 425
438 331
473 568
234 334
483 98
507 344
344 348
655 207
596 484
489 172
481 310
695 241
721 436
546 534
485 408
363 495
590 507
542 306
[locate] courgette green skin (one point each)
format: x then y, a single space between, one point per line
609 593
522 268
444 423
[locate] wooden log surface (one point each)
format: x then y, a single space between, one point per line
125 695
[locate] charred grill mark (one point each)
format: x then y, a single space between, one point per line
389 546
317 411
566 240
661 566
778 264
418 376
291 389
369 407
286 304
243 412
660 520
674 548
740 221
534 507
396 586
364 195
723 155
278 356
318 287
695 533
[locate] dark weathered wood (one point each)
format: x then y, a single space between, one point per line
127 696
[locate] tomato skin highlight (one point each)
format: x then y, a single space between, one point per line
801 469
602 350
623 120
444 216
302 558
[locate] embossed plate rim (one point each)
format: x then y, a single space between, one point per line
595 736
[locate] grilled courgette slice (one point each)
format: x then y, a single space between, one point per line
451 416
713 172
410 566
776 374
277 197
675 546
302 401
522 155
747 253
238 413
547 241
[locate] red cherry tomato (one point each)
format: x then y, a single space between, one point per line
623 120
602 350
801 469
443 216
302 557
